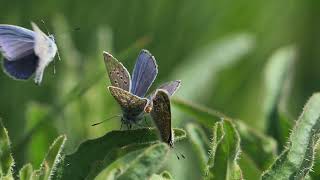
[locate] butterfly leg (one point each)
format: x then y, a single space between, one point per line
121 125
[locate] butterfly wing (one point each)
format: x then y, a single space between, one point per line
171 87
144 73
17 47
131 104
161 115
23 68
16 42
118 74
45 48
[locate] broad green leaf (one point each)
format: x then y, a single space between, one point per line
225 150
249 169
25 172
296 160
6 159
114 169
157 177
200 143
166 175
79 164
146 163
139 164
112 156
260 148
48 168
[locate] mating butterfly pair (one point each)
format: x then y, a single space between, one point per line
130 94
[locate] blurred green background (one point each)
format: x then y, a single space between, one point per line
219 49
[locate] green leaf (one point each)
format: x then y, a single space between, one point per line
296 160
200 143
166 175
249 169
146 163
139 164
261 148
6 159
25 172
225 150
115 168
112 156
92 152
48 168
275 74
277 77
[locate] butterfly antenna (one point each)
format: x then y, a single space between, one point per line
54 66
58 55
45 26
105 120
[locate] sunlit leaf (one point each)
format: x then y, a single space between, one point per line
25 172
96 151
296 161
261 148
200 143
6 159
224 154
48 168
139 164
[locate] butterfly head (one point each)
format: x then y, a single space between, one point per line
148 108
51 36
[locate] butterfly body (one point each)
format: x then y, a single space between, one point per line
26 52
132 106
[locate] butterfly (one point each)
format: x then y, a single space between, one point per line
26 52
130 94
161 115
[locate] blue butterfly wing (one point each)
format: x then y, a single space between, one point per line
144 73
16 42
23 68
171 87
